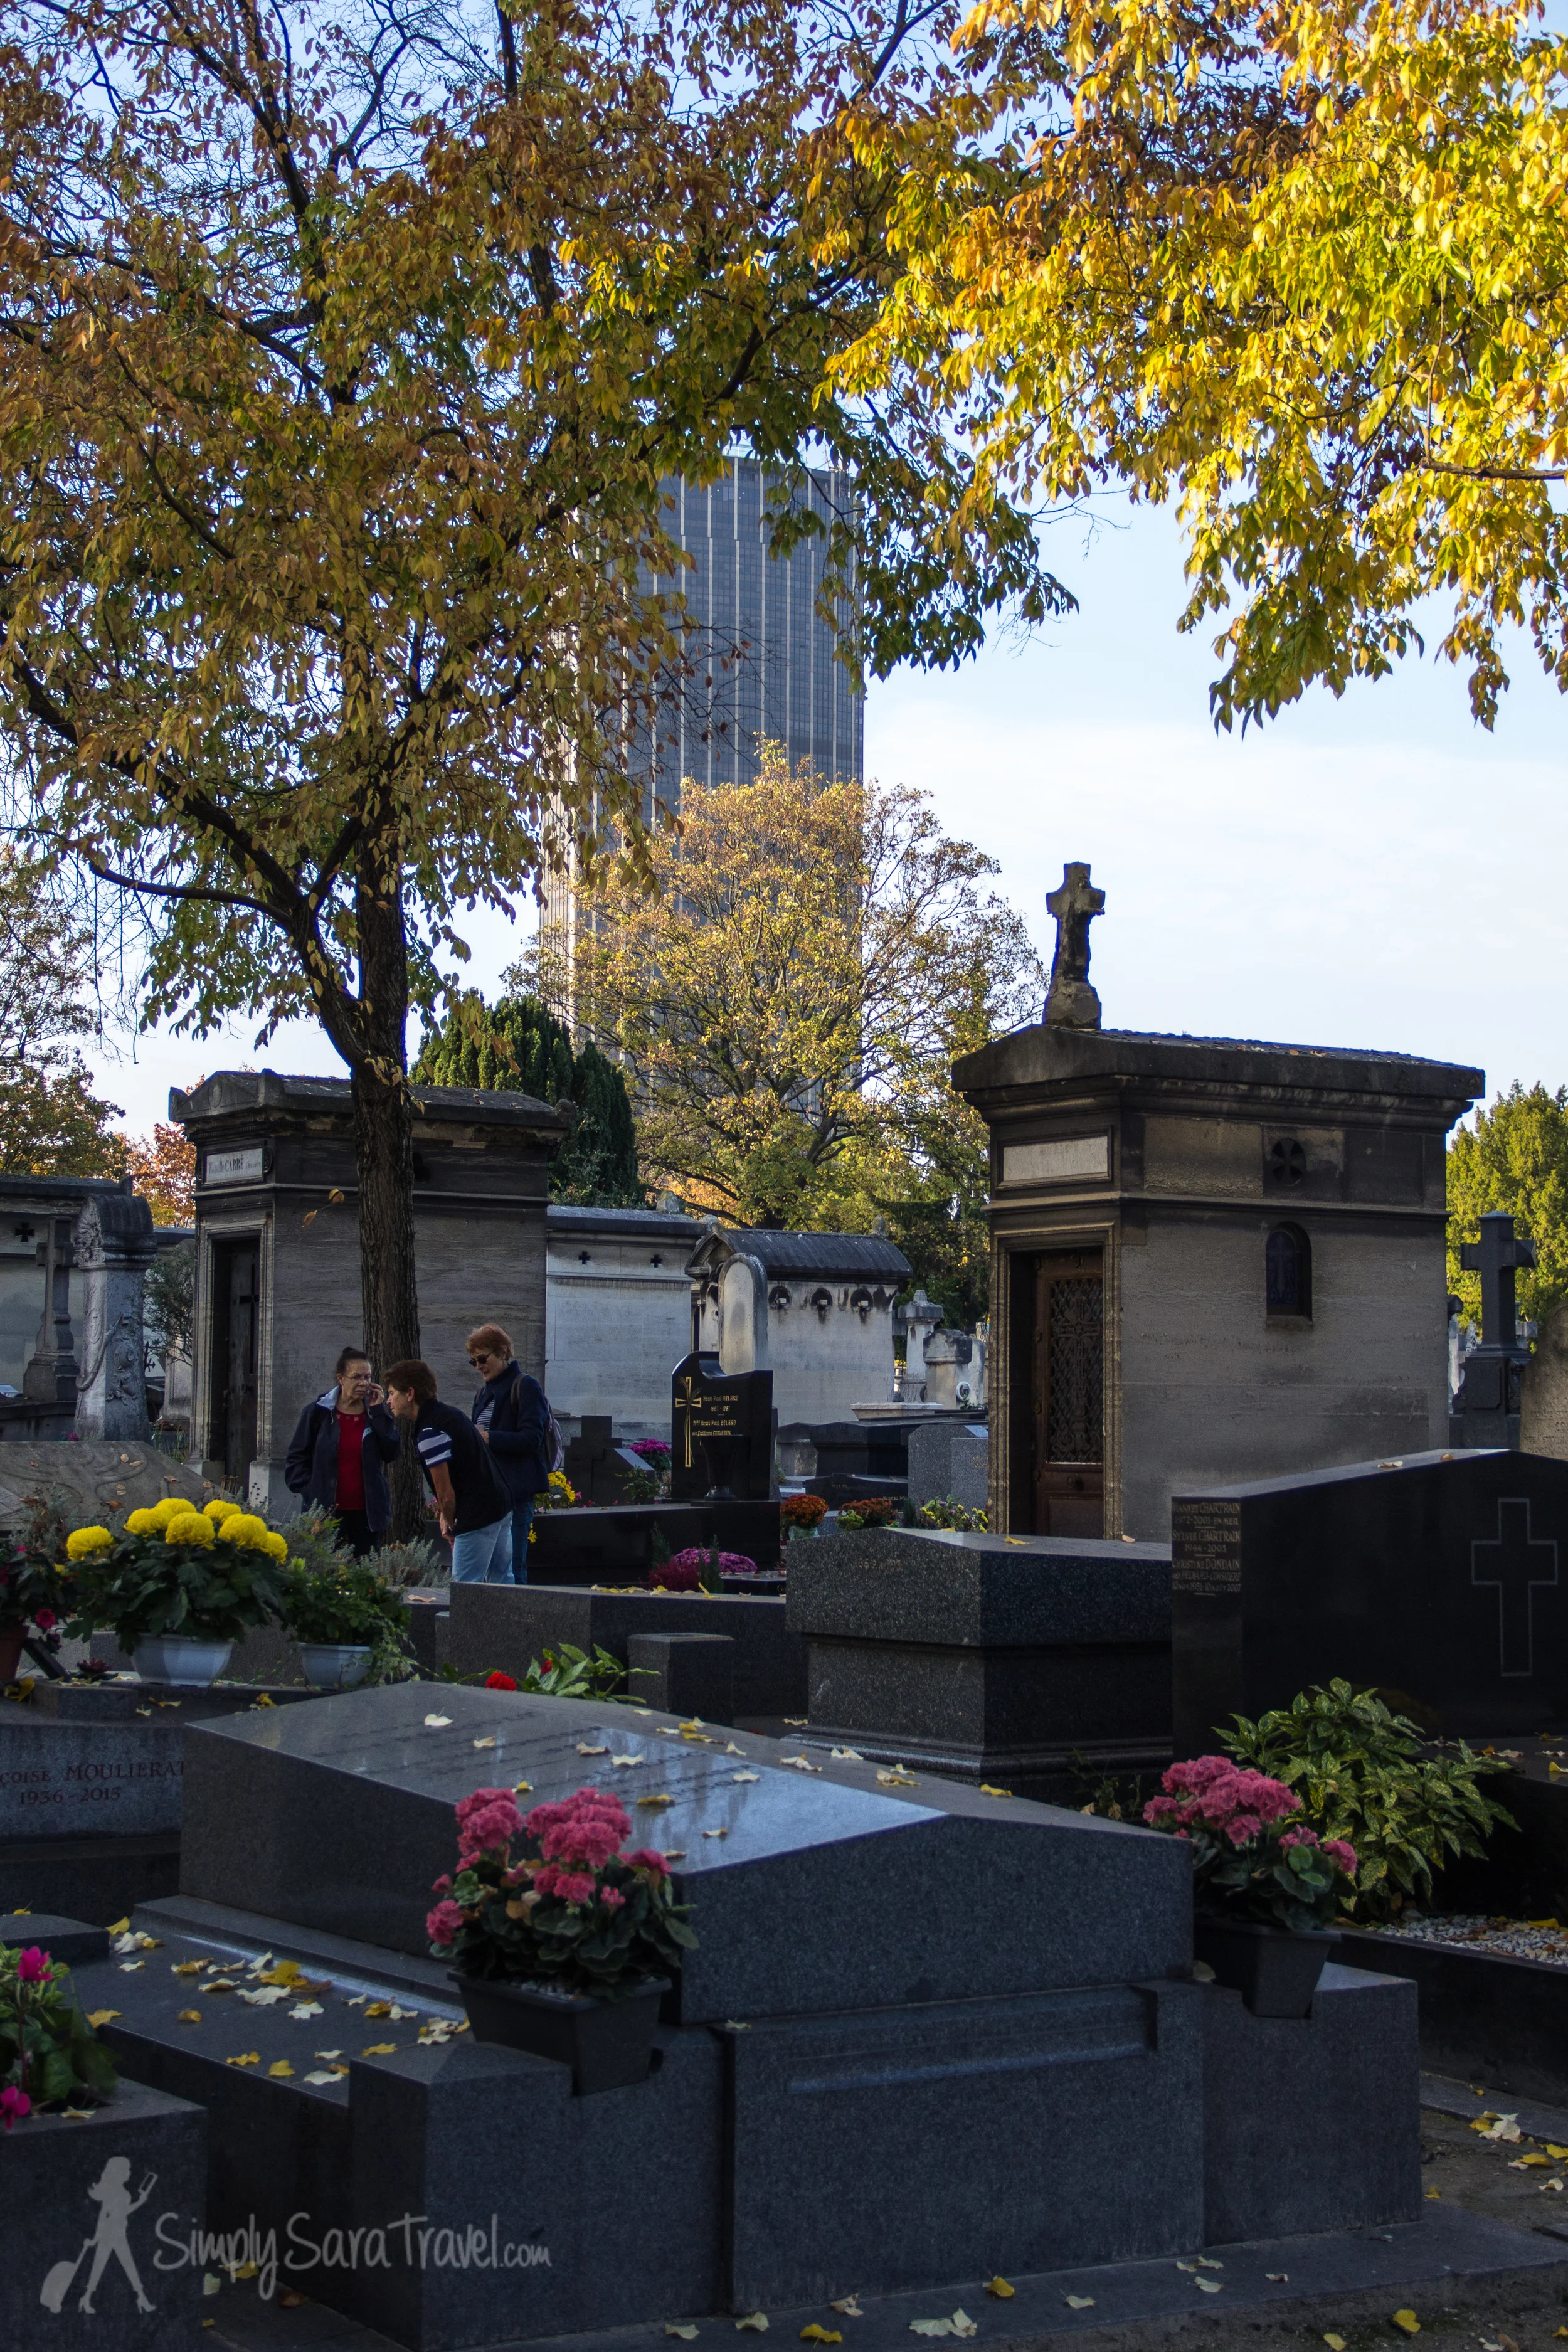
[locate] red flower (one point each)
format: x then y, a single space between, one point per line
33 1965
14 2106
499 1682
45 1620
644 1858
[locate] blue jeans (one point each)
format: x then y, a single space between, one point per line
483 1556
521 1520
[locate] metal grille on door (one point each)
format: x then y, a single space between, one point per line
1075 1349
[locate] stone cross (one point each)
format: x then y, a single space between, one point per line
1495 1257
1070 1002
50 1374
1513 1566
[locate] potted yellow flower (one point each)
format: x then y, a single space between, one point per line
178 1586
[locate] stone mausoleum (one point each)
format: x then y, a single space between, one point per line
1213 1260
278 1273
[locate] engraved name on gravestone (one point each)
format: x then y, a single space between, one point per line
721 1432
1438 1579
79 1779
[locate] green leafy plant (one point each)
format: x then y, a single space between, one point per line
947 1513
567 1672
315 1542
48 2051
212 1574
583 1917
641 1486
419 1563
1368 1776
348 1603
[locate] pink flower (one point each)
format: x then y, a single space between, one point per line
645 1859
611 1897
14 2105
1299 1837
487 1819
1159 1808
587 1828
1344 1855
1244 1828
442 1924
443 1885
45 1620
574 1887
33 1965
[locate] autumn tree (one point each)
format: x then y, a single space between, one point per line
1302 269
1514 1157
51 1122
789 1003
518 1044
342 355
162 1168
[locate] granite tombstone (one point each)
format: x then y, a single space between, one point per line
721 1432
1440 1579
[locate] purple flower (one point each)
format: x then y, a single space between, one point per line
15 2107
33 1965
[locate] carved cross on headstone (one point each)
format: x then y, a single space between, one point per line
1495 1259
1513 1566
1070 1002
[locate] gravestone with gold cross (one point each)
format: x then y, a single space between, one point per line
721 1432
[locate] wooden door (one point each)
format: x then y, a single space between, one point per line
1068 1394
236 1349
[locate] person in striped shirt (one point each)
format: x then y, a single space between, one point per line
471 1497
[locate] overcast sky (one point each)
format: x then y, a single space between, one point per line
1373 872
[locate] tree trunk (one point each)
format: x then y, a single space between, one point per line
384 1154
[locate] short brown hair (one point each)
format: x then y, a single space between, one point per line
412 1372
491 1338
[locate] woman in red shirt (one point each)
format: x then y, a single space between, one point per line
335 1460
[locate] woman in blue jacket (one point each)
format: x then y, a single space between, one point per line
511 1414
335 1460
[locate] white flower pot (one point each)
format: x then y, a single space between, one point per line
183 1658
333 1665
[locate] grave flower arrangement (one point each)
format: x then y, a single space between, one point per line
48 2051
348 1602
212 1573
578 1917
34 1600
1255 1861
804 1513
871 1511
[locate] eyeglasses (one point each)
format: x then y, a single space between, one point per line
484 1356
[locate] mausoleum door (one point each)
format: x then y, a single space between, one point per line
1067 1394
235 1334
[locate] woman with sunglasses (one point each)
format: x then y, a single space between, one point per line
511 1414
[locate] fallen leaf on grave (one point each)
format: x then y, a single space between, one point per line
1080 2303
310 1216
801 1763
262 1701
1506 2343
649 1803
139 1943
485 1743
290 2299
259 1967
730 1749
396 2011
1335 2343
622 1761
353 1999
963 2325
699 1739
674 1853
324 2075
220 1984
129 1968
1552 2183
329 2053
436 2031
1523 2163
743 1776
685 2330
846 1756
334 1200
523 1788
817 2334
724 1833
999 2286
1209 2287
796 1722
246 2058
79 2115
1435 2196
280 2067
436 1722
1502 2127
211 2282
1207 2263
265 1996
378 2009
190 2017
188 1967
731 2024
98 2017
1555 2153
1277 2278
895 1779
245 2270
1408 2322
691 1723
757 2321
307 2009
588 1747
378 2050
117 1928
988 1791
849 2305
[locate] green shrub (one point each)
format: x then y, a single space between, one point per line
349 1604
1369 1776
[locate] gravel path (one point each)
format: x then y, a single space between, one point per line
1520 1939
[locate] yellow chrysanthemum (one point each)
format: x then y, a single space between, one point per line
220 1508
276 1546
190 1527
81 1540
245 1528
172 1506
140 1522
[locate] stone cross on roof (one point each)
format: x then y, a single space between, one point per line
1495 1257
1070 1002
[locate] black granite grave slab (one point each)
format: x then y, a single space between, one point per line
684 1673
1440 1579
997 1658
339 1817
1489 2017
59 2242
1312 2123
509 1626
95 1878
825 2105
74 1941
721 1432
618 1545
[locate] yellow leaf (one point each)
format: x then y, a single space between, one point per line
246 2271
97 2017
1408 2322
378 2009
1208 2286
484 1743
649 1803
587 1747
334 1200
719 1833
190 2017
287 1972
1523 2163
1555 2153
1335 2343
189 1967
1433 2196
280 2067
523 1788
999 2286
817 2334
309 1218
988 1791
378 2050
755 2320
897 1780
118 1928
683 2329
265 1701
246 2058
